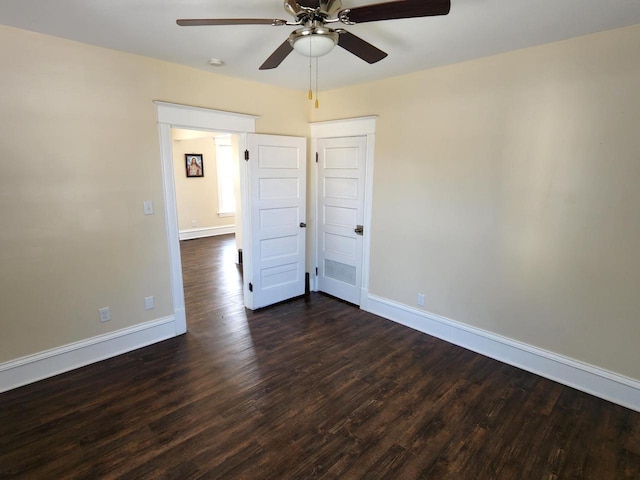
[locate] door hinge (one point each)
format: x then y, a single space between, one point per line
316 271
246 155
316 157
250 287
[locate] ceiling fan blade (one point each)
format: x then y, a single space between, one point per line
359 47
395 10
197 22
278 56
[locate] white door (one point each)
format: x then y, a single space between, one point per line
277 187
341 180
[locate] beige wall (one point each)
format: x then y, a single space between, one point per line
79 153
507 189
197 198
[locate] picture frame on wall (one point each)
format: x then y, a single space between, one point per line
194 164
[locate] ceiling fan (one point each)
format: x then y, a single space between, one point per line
314 38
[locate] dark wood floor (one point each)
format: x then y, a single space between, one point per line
313 388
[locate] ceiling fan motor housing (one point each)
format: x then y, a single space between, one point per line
314 40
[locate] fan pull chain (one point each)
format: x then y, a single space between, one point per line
317 103
310 75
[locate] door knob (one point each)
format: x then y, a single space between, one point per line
359 229
302 224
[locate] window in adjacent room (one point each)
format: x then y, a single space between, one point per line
225 171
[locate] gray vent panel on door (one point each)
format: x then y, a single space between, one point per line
340 271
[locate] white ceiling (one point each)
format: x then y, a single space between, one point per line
474 28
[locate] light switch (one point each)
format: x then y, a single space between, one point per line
148 207
149 303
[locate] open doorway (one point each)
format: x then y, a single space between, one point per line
207 184
206 176
212 284
171 115
272 191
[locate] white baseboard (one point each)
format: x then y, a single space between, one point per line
596 381
192 233
32 368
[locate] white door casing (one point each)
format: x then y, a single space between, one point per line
277 189
172 115
348 127
196 118
341 180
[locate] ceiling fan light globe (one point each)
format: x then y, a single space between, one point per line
314 45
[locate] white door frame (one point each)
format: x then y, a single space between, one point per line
349 127
173 115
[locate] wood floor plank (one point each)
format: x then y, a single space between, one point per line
311 388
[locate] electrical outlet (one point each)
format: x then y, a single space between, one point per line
421 299
149 303
193 223
105 314
148 207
